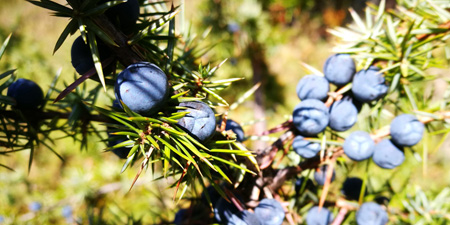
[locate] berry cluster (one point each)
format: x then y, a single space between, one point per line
312 116
406 130
319 110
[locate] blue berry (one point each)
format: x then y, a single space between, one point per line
214 196
244 218
313 87
82 57
27 93
143 87
233 27
339 69
200 121
369 85
224 210
359 146
179 216
124 15
406 130
67 211
35 206
316 217
321 175
270 212
343 115
310 117
370 213
236 128
352 188
116 105
304 148
387 155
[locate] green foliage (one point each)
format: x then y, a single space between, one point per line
154 139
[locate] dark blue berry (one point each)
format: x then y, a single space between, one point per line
124 15
143 87
370 213
67 211
387 155
319 217
310 117
35 206
270 212
313 87
339 69
244 218
236 128
304 148
200 121
343 115
406 130
82 57
224 210
27 93
359 146
352 188
369 85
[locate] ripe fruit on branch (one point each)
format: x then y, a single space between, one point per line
270 212
304 148
387 155
370 213
244 217
310 117
316 217
359 146
27 93
82 57
369 85
321 175
67 211
224 210
143 87
406 130
35 206
352 188
179 216
343 115
236 128
214 196
200 121
124 15
339 69
313 87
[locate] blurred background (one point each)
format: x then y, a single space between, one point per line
264 42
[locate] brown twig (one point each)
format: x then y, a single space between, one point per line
340 217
